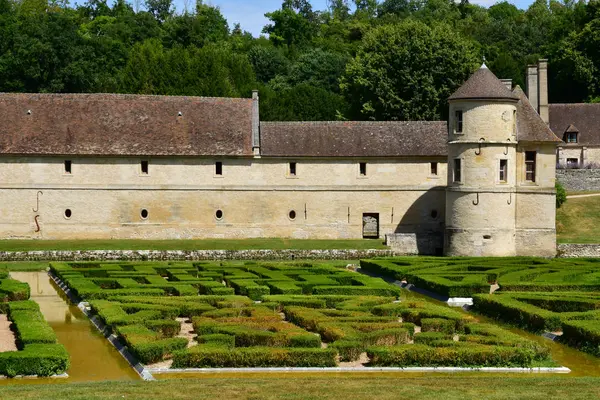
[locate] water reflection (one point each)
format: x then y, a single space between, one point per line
92 357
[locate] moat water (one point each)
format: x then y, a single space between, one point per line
93 358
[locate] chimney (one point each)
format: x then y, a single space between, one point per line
507 83
543 90
532 86
255 123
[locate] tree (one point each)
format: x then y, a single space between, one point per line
301 103
160 9
407 71
292 25
268 62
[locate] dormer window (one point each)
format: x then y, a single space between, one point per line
571 137
571 134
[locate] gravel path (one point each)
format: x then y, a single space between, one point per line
7 337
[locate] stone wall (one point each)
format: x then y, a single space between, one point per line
567 250
192 255
423 244
577 180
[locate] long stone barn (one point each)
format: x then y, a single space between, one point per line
104 166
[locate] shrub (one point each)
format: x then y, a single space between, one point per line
420 355
430 337
30 325
349 350
12 290
218 340
35 359
438 325
155 351
561 194
584 335
166 327
210 357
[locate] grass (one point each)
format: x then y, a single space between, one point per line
334 386
203 244
578 221
24 266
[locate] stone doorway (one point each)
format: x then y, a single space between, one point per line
370 226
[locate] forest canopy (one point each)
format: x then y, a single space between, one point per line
355 60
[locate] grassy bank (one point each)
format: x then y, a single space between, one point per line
216 244
340 386
578 220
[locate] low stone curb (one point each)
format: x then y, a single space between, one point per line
104 330
192 255
558 370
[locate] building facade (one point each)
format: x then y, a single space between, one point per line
95 166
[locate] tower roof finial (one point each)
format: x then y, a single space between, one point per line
483 65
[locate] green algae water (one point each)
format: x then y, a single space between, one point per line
93 358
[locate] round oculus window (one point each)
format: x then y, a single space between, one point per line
292 215
68 213
219 215
144 214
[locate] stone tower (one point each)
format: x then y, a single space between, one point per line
481 202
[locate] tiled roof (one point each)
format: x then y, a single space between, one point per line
354 139
109 124
585 117
530 127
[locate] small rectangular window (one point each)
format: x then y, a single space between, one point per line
572 163
530 157
218 168
363 169
144 165
571 138
434 168
457 170
67 166
503 170
458 121
515 122
292 169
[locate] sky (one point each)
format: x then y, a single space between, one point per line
251 13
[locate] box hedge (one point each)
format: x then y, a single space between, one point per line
210 357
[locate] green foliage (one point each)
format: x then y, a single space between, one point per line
210 357
35 359
561 195
407 71
12 290
420 355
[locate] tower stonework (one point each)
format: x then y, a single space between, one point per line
499 192
480 197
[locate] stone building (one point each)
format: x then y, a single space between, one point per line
97 166
577 124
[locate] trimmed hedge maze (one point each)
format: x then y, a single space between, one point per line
464 276
558 295
283 315
38 353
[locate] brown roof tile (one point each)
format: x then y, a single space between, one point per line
530 126
483 84
586 117
108 124
354 139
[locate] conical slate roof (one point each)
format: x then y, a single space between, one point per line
483 84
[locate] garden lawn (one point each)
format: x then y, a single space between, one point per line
216 244
338 386
578 220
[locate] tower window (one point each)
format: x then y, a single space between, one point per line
218 168
363 169
530 157
292 169
67 166
457 170
433 168
515 122
503 170
144 166
458 121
